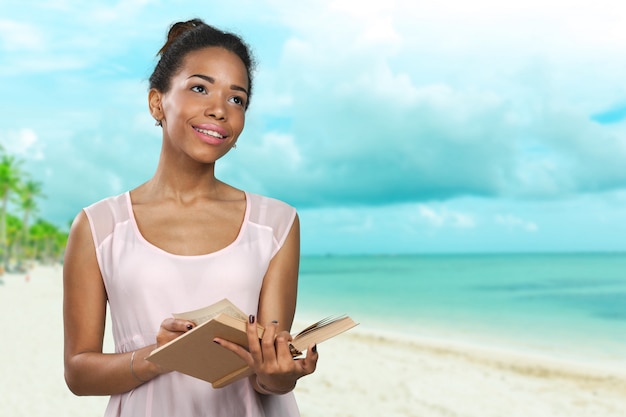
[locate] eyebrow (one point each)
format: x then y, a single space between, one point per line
212 81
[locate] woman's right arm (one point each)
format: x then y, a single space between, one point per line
88 371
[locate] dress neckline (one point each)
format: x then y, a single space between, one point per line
140 236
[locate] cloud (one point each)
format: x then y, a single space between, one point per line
19 36
445 217
381 137
513 222
67 36
126 9
403 118
23 143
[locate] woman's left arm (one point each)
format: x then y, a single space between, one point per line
275 370
277 302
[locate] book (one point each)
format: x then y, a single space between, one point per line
194 353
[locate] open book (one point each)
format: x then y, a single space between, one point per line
194 352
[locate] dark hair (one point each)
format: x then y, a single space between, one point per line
192 35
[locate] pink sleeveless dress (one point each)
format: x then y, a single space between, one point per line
146 284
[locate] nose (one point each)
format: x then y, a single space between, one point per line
215 108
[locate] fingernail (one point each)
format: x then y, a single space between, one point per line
215 341
275 321
314 348
251 318
189 327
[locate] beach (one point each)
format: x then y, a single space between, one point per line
361 373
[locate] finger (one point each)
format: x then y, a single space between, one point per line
171 329
284 335
268 345
236 349
282 345
254 345
177 325
309 363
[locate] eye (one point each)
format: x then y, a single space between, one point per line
238 100
198 89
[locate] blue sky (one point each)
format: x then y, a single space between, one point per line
393 127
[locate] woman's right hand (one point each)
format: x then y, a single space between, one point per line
171 329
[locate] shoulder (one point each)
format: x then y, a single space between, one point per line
269 212
108 206
103 215
268 202
264 208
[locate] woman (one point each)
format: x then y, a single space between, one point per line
181 241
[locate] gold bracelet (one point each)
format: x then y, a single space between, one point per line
132 371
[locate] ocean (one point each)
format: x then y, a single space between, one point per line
571 306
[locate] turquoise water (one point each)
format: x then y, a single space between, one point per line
569 305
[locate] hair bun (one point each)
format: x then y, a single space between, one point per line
178 29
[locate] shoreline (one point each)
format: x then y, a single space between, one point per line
488 343
363 372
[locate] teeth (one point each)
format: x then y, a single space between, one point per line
210 133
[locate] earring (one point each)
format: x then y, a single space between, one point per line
158 123
234 145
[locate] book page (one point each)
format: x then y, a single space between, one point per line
207 313
320 331
323 322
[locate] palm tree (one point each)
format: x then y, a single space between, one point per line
9 179
14 231
49 242
28 192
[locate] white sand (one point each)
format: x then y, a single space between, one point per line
358 374
31 351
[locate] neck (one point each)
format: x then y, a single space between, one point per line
183 180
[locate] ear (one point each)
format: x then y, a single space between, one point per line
154 103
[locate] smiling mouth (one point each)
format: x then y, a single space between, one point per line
210 133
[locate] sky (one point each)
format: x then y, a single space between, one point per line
393 127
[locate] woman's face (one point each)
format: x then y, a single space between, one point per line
203 112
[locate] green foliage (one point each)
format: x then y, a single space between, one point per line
21 243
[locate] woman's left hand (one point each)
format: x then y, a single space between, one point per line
271 360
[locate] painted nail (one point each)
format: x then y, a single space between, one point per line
251 318
189 327
314 348
275 321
